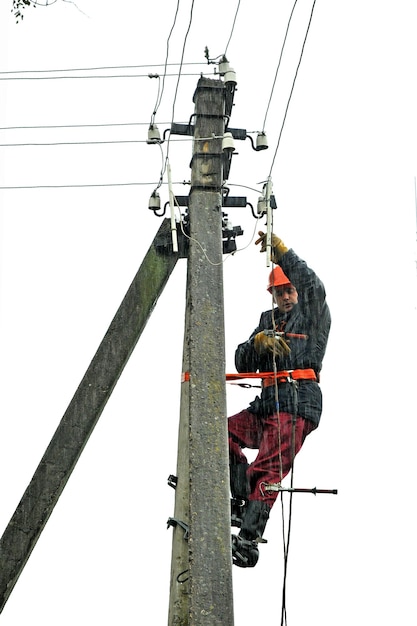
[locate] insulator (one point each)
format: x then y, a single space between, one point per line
153 134
228 143
154 202
224 67
261 208
230 77
261 141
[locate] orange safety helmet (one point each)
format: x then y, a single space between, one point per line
276 278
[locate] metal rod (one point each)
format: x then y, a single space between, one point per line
313 490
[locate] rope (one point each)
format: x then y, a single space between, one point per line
286 540
285 536
283 608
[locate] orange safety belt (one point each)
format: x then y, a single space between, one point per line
268 378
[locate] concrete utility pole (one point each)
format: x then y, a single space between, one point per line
201 567
82 414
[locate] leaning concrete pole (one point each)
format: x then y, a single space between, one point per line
82 414
201 571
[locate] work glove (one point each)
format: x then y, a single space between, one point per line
278 247
264 342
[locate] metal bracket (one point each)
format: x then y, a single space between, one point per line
175 522
188 129
163 244
172 481
279 487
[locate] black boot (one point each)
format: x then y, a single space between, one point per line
245 552
239 487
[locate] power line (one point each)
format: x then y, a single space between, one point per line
178 82
293 83
134 183
71 143
9 78
82 143
279 63
98 68
233 27
160 93
70 186
76 125
181 66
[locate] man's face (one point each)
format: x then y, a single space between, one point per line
285 297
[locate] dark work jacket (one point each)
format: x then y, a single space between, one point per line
311 317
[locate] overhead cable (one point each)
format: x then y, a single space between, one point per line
180 68
90 77
279 64
95 69
292 87
233 27
75 186
164 165
69 143
160 93
82 143
42 127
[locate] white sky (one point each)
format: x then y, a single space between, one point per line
344 180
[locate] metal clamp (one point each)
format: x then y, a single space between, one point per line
175 522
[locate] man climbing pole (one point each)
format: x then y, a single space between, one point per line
286 348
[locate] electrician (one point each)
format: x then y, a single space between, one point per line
288 345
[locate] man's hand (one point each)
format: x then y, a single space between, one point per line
274 344
278 248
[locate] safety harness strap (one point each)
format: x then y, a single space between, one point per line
269 378
289 375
